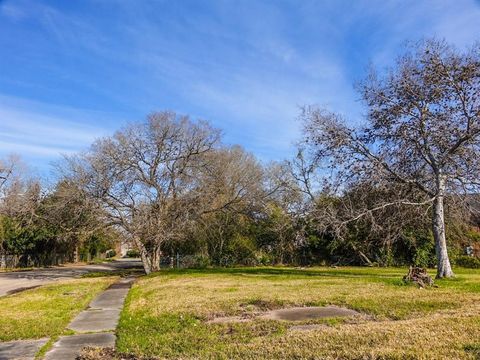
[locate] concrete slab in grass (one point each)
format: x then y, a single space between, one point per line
21 350
95 320
104 311
68 347
110 299
309 313
114 296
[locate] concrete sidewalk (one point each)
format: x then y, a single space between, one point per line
21 349
68 347
95 325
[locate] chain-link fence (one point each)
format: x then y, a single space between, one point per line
11 261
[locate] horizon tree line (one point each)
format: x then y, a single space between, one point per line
391 190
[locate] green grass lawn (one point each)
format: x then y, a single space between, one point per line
47 310
166 315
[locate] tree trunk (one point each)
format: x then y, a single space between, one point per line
444 268
143 255
155 259
76 255
145 260
362 255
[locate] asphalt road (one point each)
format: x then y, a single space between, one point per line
11 282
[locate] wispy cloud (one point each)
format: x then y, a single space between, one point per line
41 132
245 65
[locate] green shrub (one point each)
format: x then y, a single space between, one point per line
424 257
132 253
95 245
468 262
241 250
473 236
423 254
264 258
201 261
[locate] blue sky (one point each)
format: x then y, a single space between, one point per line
72 71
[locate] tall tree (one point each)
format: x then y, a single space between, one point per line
156 179
11 168
145 178
422 131
73 214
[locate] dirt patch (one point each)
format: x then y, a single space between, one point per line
229 319
309 313
91 353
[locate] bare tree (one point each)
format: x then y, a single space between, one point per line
233 187
20 192
74 214
145 178
369 218
422 131
233 180
10 168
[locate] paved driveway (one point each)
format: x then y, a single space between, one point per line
11 282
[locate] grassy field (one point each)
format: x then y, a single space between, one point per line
46 311
166 315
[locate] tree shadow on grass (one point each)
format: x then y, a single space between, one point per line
286 272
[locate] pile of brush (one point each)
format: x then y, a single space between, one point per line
418 276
